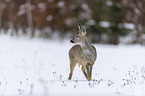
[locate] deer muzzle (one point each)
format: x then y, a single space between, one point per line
72 41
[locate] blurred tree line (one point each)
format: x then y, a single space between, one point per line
107 21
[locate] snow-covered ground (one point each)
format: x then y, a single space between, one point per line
36 67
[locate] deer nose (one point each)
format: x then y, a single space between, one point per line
71 41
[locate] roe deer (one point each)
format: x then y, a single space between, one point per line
83 53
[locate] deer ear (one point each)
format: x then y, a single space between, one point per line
84 33
79 26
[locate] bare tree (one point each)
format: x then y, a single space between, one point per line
136 15
1 8
29 13
140 19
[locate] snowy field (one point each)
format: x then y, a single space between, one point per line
37 67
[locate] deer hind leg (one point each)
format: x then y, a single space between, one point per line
83 70
72 66
89 71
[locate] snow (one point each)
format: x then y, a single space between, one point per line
91 22
49 18
37 67
129 25
121 25
104 24
109 3
42 6
86 8
61 4
22 10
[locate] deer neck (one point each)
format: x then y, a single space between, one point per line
89 52
86 46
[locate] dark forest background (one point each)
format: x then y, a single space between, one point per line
106 21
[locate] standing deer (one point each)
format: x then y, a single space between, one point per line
83 54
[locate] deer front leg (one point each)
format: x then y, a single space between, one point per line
72 66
